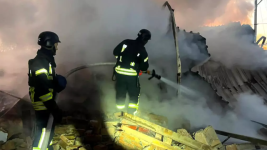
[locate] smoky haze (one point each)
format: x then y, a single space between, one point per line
191 14
233 47
89 30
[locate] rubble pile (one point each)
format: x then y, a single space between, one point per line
133 132
92 131
77 132
12 134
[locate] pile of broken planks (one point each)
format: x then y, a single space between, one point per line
136 133
78 131
129 132
132 132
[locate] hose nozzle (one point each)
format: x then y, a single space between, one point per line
153 74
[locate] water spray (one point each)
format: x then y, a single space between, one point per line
177 86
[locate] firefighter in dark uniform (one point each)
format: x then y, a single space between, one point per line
44 85
132 59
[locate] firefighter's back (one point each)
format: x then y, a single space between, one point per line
129 55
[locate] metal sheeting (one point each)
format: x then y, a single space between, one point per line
6 103
228 83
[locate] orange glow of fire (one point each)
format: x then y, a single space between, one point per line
264 47
232 14
214 24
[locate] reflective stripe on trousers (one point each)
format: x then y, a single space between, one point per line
134 109
131 105
120 106
41 140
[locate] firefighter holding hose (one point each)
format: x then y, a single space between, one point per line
44 85
132 60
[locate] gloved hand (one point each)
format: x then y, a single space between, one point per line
154 75
61 83
140 73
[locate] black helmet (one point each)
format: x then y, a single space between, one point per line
48 39
144 35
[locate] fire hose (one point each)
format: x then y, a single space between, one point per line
51 118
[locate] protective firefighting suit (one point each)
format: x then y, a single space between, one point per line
131 59
44 85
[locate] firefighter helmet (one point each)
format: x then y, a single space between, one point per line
48 39
144 35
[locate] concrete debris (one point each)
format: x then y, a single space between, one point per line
81 134
13 136
3 135
12 131
128 132
80 131
12 124
15 144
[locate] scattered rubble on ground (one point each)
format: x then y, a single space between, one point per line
80 131
12 128
132 132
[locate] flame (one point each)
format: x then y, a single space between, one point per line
233 13
264 47
214 23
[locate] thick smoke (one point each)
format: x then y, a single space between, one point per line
89 30
191 14
193 49
232 46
